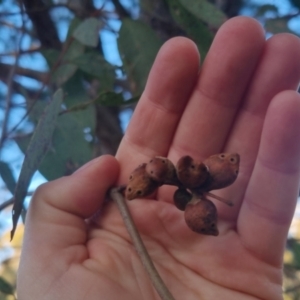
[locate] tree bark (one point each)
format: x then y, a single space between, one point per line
44 26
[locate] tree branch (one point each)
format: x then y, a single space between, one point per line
122 12
108 122
46 31
10 80
45 82
27 51
157 282
6 69
292 289
6 204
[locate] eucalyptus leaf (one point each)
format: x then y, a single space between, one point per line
51 56
63 73
87 32
73 25
95 65
205 11
106 99
263 9
149 6
138 46
7 176
114 99
66 69
195 28
63 70
6 287
74 50
35 109
37 149
69 148
278 25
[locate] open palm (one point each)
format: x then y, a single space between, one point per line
241 101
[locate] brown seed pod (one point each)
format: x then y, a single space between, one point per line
201 216
140 184
181 198
223 170
162 170
190 173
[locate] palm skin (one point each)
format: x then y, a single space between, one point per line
243 101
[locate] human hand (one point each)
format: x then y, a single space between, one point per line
242 101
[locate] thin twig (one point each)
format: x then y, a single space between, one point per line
15 53
228 202
157 282
44 84
10 89
122 12
6 204
292 289
10 201
36 10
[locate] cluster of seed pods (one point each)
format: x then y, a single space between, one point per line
194 180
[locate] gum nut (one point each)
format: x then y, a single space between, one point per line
201 216
157 168
140 184
181 198
190 173
223 170
161 169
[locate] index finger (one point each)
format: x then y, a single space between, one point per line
170 83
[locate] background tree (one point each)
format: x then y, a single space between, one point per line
51 44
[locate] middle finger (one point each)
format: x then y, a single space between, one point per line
226 72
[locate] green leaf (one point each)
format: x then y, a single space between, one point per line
67 69
278 25
149 6
205 11
263 9
6 287
74 50
73 25
7 176
51 56
295 247
95 65
63 73
87 32
35 109
69 149
63 70
106 99
138 46
114 99
37 148
75 90
195 29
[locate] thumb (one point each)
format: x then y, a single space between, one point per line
57 213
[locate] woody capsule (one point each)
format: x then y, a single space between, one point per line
194 180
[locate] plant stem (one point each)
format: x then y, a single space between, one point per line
157 282
6 203
229 203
